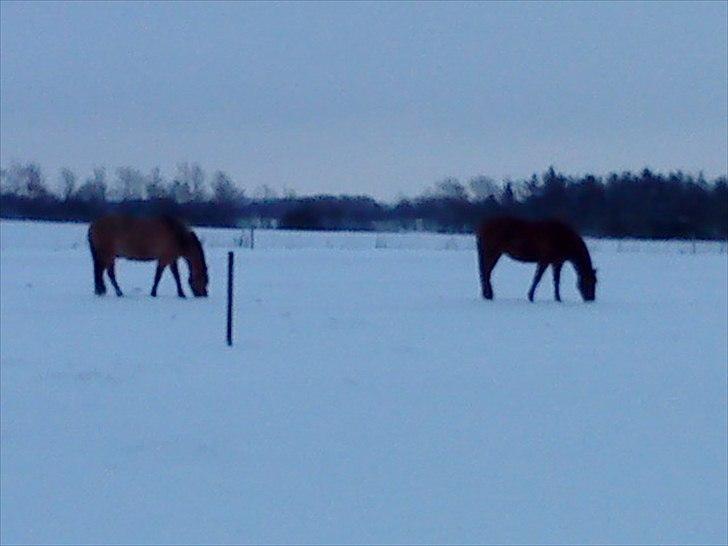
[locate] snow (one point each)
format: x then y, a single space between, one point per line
371 396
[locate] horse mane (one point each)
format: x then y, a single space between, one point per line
194 243
178 228
188 240
582 259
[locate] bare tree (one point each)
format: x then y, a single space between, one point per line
197 183
68 183
289 193
451 188
35 184
24 179
155 187
95 187
180 191
9 180
507 196
190 178
264 192
483 187
224 189
130 183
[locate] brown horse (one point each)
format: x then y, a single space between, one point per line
546 243
160 238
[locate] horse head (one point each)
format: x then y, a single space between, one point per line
198 267
587 284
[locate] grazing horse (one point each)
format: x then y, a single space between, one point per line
548 242
160 238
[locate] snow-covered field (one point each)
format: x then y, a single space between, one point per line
371 397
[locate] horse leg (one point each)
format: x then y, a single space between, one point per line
175 272
490 261
112 275
157 276
557 280
99 286
486 263
536 279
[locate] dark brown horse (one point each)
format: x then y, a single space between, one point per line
548 242
160 238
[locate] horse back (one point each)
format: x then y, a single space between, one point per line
120 235
529 241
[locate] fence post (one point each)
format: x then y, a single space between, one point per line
230 300
252 237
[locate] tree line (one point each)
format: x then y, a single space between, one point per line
642 205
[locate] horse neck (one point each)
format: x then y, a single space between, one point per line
192 256
195 258
580 257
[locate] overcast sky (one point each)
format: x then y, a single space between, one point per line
365 98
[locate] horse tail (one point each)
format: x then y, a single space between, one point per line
92 247
481 258
99 287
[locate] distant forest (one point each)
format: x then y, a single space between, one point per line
640 205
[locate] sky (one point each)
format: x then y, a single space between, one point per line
381 99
